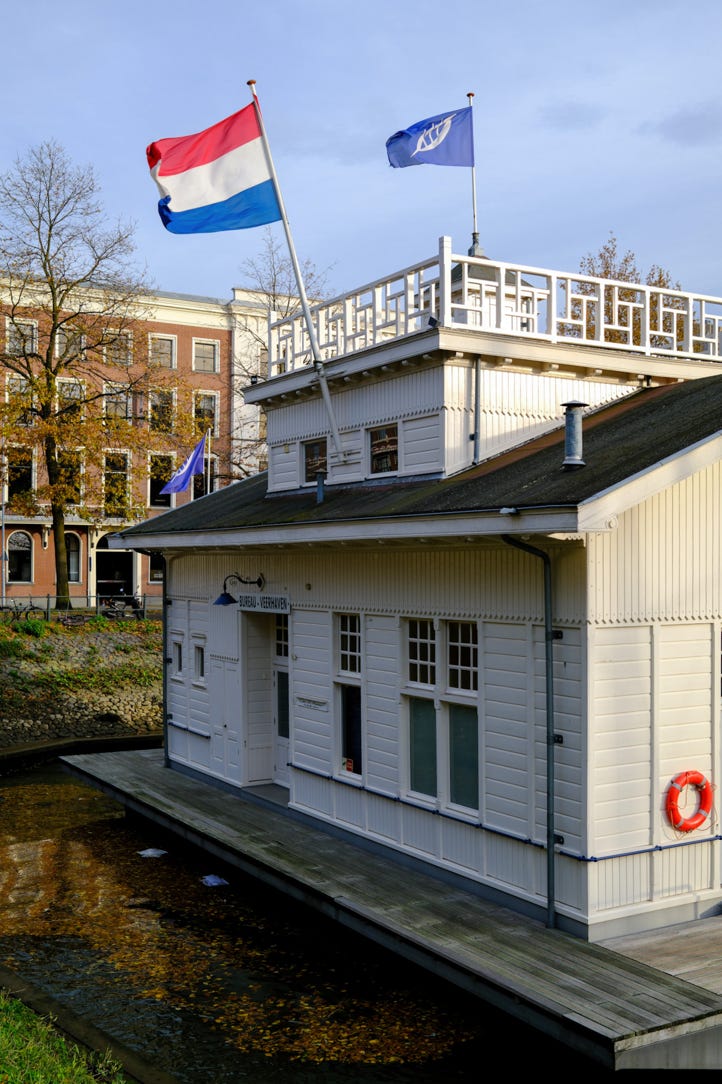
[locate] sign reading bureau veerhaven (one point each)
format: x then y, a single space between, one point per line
269 604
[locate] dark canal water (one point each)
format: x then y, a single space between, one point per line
221 983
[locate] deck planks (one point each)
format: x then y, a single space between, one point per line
606 1000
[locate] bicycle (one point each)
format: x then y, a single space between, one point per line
119 608
13 610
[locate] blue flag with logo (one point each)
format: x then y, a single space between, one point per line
444 140
190 466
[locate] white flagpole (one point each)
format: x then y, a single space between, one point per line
208 460
315 349
475 249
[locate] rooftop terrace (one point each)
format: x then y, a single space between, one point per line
473 293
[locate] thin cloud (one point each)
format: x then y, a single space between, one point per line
571 116
696 126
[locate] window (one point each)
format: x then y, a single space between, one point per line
281 636
21 337
205 356
463 655
199 663
20 558
205 412
19 475
70 465
115 478
314 459
161 469
202 483
177 657
161 411
349 692
384 449
118 402
162 351
72 549
118 349
443 722
70 399
156 568
422 652
20 398
69 345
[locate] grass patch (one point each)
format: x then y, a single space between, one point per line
33 1052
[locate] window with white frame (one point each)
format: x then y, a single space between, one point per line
349 693
162 411
176 656
156 568
205 412
315 458
162 351
118 348
384 449
206 482
20 557
118 402
21 337
205 355
70 399
281 644
115 479
20 475
69 344
199 661
442 712
20 400
160 472
73 551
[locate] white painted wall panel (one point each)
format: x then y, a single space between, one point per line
381 691
312 708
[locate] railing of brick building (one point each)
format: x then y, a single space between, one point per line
471 292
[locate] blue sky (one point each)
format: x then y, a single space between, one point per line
588 119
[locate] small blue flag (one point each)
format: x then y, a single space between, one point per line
444 140
190 466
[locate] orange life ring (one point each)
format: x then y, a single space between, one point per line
694 779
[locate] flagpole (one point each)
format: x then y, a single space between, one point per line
208 460
476 249
315 349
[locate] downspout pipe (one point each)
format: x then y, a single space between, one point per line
550 737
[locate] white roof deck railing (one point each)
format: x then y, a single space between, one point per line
471 292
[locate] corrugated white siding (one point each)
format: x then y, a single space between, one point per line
313 701
421 449
381 694
258 635
662 563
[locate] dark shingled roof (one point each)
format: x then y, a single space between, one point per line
619 440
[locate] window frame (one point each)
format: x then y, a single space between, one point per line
29 451
214 395
393 452
31 549
310 466
349 694
216 345
110 351
167 498
109 452
11 328
158 336
75 537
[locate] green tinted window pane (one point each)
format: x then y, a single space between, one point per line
463 756
422 735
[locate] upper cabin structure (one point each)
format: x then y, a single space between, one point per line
473 610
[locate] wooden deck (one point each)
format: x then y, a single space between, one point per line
616 1009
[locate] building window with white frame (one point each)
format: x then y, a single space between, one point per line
205 355
199 662
20 476
205 412
21 337
69 345
20 401
384 449
118 349
71 394
160 472
206 482
116 478
281 643
161 411
443 714
20 557
118 402
349 693
315 458
73 551
162 351
70 474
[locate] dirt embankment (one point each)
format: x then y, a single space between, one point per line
101 679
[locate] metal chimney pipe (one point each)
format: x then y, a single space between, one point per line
573 435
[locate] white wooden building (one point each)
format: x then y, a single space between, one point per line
461 628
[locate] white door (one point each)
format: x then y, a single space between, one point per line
226 720
281 723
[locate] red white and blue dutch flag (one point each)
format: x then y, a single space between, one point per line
219 179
